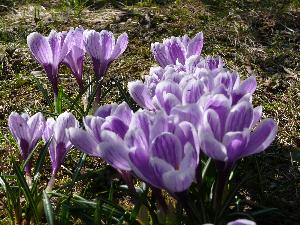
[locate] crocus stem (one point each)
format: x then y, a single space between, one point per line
189 207
161 201
51 183
98 94
28 179
219 188
127 177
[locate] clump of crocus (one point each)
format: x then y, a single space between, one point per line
75 58
27 131
55 131
50 52
177 49
103 49
158 150
169 88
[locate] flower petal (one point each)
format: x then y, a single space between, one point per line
120 46
84 141
239 117
140 94
40 48
106 110
262 136
195 45
236 143
167 147
211 147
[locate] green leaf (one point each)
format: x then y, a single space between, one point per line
48 209
74 105
43 90
24 186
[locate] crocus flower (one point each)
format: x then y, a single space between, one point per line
112 118
242 222
237 222
74 59
103 49
163 153
177 49
50 52
158 150
27 131
230 132
60 143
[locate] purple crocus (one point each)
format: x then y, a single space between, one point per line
75 58
27 131
237 222
103 49
50 52
158 150
113 120
60 143
163 153
177 49
242 222
230 132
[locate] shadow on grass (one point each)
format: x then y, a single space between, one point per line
275 185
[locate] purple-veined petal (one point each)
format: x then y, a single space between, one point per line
36 125
140 94
190 113
176 50
242 222
106 40
120 46
236 143
181 179
40 48
192 92
18 127
167 147
106 110
212 147
211 121
160 54
262 136
257 113
239 117
123 112
115 125
195 45
84 141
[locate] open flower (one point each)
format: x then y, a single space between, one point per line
75 58
177 49
227 133
26 131
50 52
60 143
158 150
114 119
103 49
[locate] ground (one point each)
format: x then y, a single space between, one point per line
260 37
